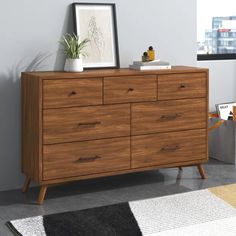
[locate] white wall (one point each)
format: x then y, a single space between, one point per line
29 32
222 81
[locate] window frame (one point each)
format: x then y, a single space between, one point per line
205 57
218 56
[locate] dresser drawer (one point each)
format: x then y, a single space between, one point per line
130 89
72 92
84 158
176 86
168 148
170 115
85 123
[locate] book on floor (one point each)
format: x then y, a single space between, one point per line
225 110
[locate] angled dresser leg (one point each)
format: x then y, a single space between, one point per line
42 193
201 171
26 184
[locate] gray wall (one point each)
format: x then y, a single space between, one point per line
29 33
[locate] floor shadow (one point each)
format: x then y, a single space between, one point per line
92 186
128 187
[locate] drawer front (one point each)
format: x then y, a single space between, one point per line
176 86
168 148
170 115
85 123
130 89
84 158
72 92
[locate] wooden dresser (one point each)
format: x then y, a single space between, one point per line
108 122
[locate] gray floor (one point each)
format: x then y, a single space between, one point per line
111 190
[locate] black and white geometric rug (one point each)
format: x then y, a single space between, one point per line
193 213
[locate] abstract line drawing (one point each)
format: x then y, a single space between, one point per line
96 36
97 22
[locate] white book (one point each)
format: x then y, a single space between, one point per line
151 63
137 67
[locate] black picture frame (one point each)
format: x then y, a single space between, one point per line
97 22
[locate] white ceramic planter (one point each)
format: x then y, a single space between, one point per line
73 65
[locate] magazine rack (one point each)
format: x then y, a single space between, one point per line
222 140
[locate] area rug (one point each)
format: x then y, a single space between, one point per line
204 212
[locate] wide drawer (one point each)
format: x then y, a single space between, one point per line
168 148
176 86
130 89
72 92
85 123
84 158
170 115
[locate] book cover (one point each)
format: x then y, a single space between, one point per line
225 110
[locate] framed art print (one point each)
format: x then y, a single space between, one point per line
97 22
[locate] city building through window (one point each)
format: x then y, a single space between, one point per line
216 29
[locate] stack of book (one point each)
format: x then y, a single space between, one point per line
150 65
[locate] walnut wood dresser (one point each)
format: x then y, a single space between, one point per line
108 122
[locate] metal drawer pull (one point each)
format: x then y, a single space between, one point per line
72 93
87 159
130 89
170 148
90 124
182 86
170 116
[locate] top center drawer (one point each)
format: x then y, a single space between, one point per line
130 89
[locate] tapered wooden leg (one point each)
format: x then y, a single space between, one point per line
43 190
26 184
201 171
180 168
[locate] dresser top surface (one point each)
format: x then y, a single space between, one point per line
112 72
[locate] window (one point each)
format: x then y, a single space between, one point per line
216 29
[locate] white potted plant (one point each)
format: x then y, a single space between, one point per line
74 50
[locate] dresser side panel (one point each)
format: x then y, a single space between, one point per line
31 103
207 113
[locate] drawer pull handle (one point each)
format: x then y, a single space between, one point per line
90 124
170 148
88 159
72 93
182 86
130 89
170 117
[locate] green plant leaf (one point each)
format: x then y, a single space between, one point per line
73 47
